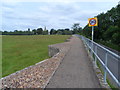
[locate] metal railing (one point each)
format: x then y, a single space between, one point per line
109 60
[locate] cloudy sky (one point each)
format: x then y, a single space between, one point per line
24 14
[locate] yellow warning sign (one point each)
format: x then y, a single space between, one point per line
93 22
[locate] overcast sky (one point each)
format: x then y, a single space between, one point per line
24 14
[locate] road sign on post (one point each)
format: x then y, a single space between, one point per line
92 22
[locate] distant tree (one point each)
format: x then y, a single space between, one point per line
15 30
59 32
67 29
34 31
0 32
5 33
66 32
76 28
39 31
52 31
29 31
45 32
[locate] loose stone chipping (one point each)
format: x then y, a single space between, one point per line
38 75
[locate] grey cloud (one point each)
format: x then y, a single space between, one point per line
52 15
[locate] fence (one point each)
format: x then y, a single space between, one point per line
109 60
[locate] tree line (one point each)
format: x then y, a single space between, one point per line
39 31
108 30
76 29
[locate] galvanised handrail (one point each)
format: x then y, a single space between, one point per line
86 40
112 53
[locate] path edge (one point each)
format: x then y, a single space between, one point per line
96 70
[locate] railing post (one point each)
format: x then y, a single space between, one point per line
106 57
95 56
87 44
91 48
105 71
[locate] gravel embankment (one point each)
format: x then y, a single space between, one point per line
37 76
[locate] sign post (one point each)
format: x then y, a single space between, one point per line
92 32
93 22
92 38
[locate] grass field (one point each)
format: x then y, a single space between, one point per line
19 52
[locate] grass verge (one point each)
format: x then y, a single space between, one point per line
19 52
108 81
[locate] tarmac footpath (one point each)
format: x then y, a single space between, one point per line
76 70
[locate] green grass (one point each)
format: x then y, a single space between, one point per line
111 85
108 81
19 52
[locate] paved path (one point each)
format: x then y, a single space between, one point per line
76 70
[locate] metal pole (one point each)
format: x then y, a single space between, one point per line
92 32
92 39
95 56
105 71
